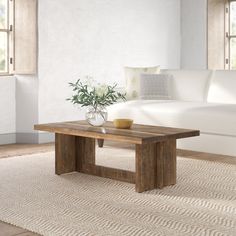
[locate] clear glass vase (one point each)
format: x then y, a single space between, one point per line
96 116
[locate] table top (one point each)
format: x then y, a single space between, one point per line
138 134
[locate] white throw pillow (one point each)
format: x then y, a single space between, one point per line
155 86
132 75
222 87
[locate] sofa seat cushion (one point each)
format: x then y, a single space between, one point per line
208 118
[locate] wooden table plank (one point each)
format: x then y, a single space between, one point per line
141 128
138 134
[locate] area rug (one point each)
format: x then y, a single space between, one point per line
203 202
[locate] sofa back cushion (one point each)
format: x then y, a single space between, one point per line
189 85
222 87
132 76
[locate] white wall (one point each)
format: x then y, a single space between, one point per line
18 109
7 110
194 34
26 108
99 38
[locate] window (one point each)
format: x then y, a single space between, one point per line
216 34
222 34
230 32
18 37
232 35
4 36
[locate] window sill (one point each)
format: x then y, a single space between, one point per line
6 75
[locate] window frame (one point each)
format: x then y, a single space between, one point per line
7 31
22 37
228 35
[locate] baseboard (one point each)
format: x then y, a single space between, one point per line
30 138
34 138
46 137
7 139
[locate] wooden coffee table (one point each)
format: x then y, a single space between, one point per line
155 155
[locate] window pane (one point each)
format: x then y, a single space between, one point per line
3 52
233 54
3 14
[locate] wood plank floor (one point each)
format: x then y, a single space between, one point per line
10 230
23 149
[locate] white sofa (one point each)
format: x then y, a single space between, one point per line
204 100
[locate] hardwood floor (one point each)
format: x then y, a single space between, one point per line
207 156
10 230
23 149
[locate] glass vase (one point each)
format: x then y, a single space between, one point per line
96 116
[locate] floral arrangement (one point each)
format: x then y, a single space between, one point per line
94 94
96 97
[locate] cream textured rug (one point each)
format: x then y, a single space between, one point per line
32 197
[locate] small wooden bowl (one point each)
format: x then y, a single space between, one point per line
123 123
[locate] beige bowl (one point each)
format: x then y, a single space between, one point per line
123 123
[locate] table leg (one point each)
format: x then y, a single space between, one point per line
155 165
85 152
72 151
166 163
146 167
65 153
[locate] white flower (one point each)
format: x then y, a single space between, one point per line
101 89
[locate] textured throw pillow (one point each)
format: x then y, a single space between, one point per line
154 86
132 75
